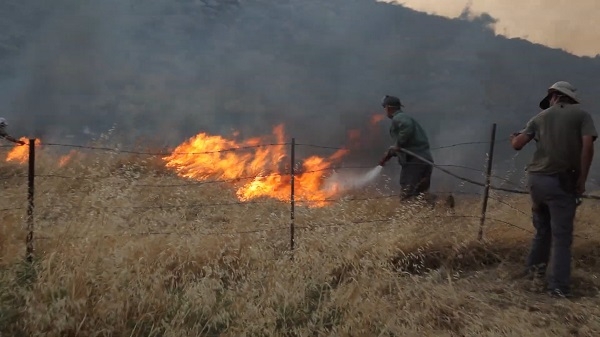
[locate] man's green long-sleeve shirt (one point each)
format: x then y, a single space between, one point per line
407 133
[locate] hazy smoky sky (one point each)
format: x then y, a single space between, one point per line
166 70
566 24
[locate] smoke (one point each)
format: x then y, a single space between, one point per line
165 70
531 20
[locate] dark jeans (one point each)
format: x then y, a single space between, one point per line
415 178
553 211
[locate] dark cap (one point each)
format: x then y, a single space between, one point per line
391 101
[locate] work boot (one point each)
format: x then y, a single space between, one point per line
557 293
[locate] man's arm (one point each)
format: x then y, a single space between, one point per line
588 136
402 130
14 140
6 136
587 155
518 140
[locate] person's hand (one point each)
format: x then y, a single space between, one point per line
383 161
21 142
513 135
385 158
393 150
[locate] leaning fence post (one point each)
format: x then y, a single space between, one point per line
30 185
486 191
292 178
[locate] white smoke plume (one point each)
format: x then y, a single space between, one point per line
347 181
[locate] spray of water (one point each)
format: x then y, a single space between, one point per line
346 181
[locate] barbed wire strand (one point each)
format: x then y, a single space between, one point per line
161 206
11 209
476 182
236 203
257 176
364 222
280 228
508 205
465 143
198 183
432 148
108 149
87 177
254 231
300 201
439 166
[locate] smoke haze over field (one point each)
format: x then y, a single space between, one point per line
167 70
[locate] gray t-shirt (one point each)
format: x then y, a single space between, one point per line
558 131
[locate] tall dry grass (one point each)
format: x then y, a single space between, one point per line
117 256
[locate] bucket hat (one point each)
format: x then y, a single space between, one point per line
564 88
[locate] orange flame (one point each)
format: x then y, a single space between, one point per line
205 156
64 160
377 118
20 153
353 137
353 134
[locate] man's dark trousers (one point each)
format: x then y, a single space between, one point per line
553 210
415 177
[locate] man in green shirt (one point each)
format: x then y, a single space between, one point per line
407 133
564 135
4 134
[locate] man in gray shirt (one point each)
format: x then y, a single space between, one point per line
564 135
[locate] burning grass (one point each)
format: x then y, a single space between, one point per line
260 163
131 249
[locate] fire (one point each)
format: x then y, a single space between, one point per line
353 137
257 168
377 118
308 185
64 160
20 153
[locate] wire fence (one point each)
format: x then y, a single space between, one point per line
294 199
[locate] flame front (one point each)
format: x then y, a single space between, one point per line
205 157
20 153
376 118
64 160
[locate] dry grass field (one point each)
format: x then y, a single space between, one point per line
117 255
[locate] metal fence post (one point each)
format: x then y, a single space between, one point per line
30 190
292 202
486 191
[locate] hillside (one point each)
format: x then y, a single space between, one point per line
166 70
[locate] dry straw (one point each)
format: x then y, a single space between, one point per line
117 257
